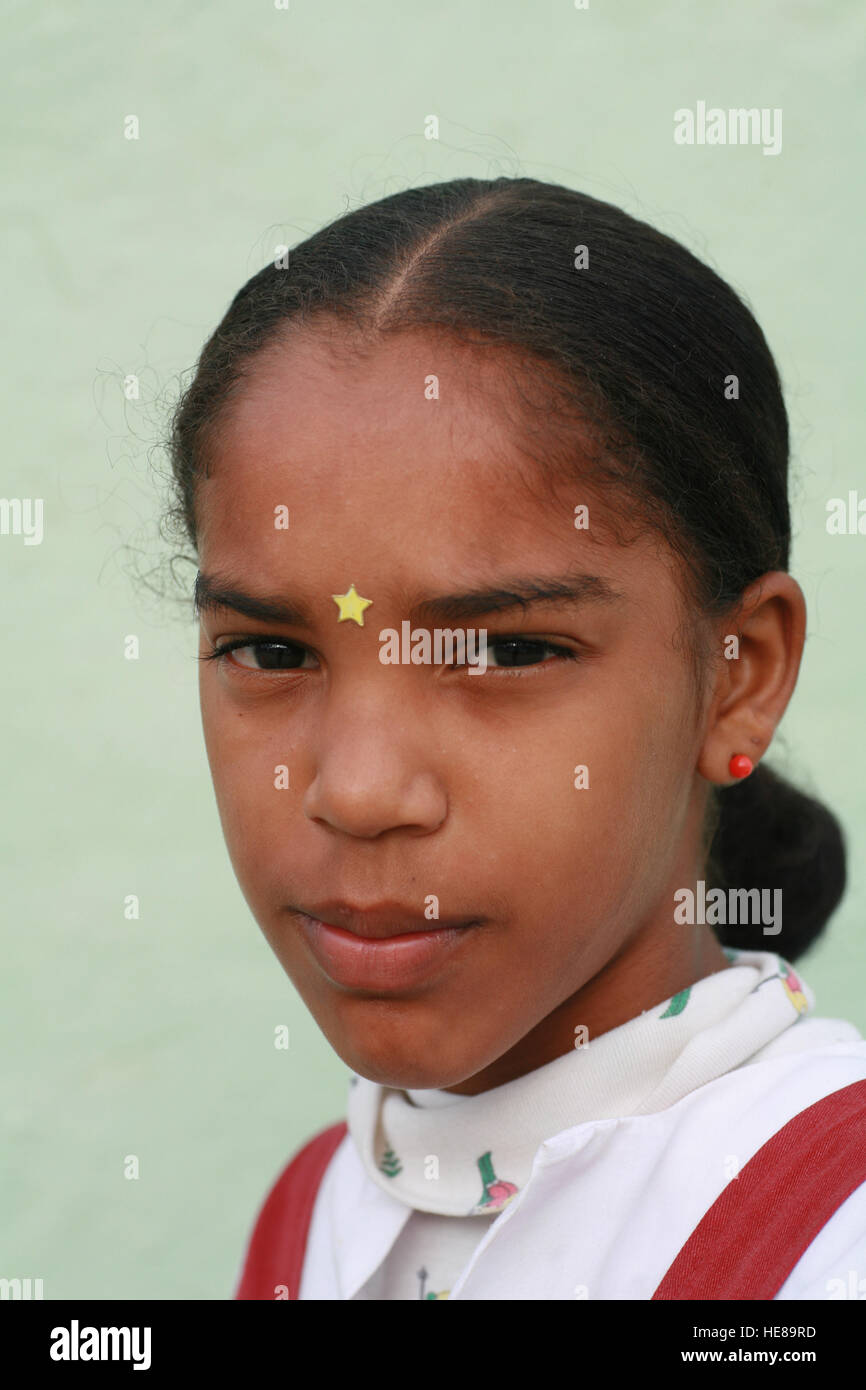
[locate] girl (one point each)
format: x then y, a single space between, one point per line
487 488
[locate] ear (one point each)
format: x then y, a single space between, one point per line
754 686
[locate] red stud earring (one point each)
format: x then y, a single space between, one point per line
740 765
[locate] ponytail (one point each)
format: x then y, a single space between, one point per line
771 835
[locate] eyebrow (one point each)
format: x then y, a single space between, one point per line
212 592
518 593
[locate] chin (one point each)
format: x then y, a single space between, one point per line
417 1043
404 1060
409 1073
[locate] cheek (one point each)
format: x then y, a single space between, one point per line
640 795
253 820
601 790
552 825
243 774
220 738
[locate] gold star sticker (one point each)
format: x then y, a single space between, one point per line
351 606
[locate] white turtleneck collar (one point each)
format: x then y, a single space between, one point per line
469 1155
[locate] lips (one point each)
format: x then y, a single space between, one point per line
387 950
381 921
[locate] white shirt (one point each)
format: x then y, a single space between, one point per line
583 1178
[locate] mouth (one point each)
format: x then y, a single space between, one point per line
382 951
381 922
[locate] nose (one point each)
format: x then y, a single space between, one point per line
373 770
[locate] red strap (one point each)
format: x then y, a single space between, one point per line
750 1239
275 1253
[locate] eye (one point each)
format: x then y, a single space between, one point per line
266 654
517 651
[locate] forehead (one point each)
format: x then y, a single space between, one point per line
413 451
411 404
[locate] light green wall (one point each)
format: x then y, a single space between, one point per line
155 1037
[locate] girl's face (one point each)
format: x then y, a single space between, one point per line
391 799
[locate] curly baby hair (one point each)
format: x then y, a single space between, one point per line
634 349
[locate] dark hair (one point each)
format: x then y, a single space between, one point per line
641 344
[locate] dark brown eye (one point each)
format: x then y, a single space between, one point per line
262 655
514 652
